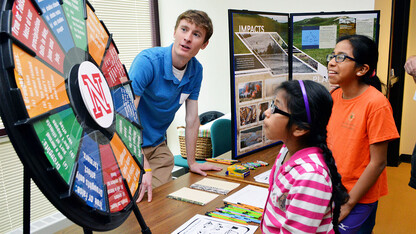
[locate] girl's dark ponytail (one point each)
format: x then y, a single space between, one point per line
339 192
320 109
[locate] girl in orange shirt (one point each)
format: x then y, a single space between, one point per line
359 129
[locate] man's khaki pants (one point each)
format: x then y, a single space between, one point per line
161 162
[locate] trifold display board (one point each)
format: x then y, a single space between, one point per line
267 48
67 105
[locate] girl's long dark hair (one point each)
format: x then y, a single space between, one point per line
365 51
320 106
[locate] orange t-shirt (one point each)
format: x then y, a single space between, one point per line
354 125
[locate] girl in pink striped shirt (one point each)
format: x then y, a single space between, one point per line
305 189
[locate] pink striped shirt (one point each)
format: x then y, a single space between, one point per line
299 194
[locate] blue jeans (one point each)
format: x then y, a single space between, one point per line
412 182
361 219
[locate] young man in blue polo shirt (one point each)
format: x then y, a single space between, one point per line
164 78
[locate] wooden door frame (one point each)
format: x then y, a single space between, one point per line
397 59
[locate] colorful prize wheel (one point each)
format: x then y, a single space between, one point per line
67 105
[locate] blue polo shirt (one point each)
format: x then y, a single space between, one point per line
160 91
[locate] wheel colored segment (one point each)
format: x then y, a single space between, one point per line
60 135
129 169
97 36
89 180
74 12
116 191
30 28
55 18
42 88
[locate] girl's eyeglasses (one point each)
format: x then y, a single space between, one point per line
274 109
339 58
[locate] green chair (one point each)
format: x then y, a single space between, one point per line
220 137
220 140
182 162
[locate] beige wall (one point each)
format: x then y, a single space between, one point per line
384 39
408 131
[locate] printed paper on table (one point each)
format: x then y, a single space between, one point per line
215 186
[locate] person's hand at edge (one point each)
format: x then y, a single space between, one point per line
410 67
146 186
345 211
200 168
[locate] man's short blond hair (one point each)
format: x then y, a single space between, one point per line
200 19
